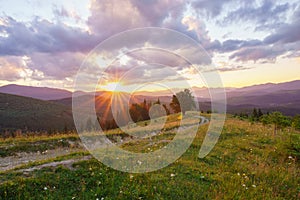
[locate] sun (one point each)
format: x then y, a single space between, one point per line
114 87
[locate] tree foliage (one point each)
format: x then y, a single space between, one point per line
182 101
277 119
256 115
296 122
175 105
139 112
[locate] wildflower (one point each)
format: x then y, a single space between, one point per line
238 174
45 188
131 176
244 185
172 175
139 162
290 157
254 186
73 197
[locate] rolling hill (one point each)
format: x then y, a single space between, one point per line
18 112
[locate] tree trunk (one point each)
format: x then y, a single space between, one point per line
275 130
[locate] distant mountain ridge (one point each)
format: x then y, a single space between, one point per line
42 93
36 108
45 93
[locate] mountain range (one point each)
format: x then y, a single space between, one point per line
43 93
42 108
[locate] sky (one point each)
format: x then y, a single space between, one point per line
44 43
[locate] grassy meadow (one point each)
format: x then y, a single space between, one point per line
248 162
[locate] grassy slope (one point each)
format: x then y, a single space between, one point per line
246 163
17 112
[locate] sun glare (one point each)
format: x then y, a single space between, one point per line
114 87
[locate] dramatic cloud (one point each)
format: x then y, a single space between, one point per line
56 48
284 40
286 33
41 36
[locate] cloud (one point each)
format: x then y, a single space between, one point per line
210 8
56 49
232 68
265 53
284 40
58 65
268 14
11 68
286 33
62 12
42 36
232 45
109 17
152 10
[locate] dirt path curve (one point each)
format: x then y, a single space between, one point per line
12 162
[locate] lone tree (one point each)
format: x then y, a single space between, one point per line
182 101
277 119
175 105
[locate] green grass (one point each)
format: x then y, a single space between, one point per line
247 163
24 113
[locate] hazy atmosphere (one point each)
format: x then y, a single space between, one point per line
149 99
43 43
